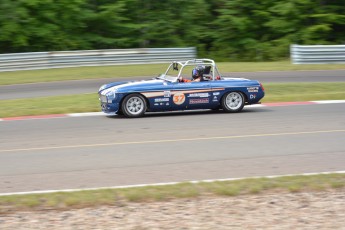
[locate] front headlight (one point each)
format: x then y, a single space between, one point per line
103 98
111 95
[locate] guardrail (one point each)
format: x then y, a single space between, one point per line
62 59
317 54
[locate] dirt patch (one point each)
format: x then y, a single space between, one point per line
314 210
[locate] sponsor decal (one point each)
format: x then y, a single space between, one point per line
179 98
252 96
199 101
215 98
216 93
199 95
167 104
161 99
156 104
167 93
253 89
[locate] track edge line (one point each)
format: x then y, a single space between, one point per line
167 183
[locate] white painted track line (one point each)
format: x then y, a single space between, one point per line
329 102
90 114
167 183
255 106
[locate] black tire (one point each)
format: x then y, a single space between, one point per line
233 102
120 113
134 105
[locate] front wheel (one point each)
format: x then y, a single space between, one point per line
233 102
134 105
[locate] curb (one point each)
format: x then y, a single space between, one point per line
91 114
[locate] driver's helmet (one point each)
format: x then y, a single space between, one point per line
198 71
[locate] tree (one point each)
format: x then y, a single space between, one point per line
221 29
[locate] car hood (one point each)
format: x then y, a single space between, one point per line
126 86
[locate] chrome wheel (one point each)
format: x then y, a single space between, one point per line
134 105
233 102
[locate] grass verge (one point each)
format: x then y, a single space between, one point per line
92 198
50 105
285 92
78 73
282 92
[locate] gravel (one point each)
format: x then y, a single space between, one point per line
314 210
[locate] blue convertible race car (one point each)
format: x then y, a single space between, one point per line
186 85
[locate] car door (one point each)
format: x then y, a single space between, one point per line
191 95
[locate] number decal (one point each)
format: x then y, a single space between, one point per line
179 98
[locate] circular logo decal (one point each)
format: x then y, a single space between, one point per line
179 98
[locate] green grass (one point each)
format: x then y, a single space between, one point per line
120 197
283 92
78 73
272 66
50 105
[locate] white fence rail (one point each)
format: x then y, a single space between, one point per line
61 59
317 54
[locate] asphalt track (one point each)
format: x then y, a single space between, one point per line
92 86
84 152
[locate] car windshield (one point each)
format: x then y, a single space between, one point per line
167 77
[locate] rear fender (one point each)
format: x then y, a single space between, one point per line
239 91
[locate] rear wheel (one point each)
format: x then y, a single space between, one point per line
233 102
134 105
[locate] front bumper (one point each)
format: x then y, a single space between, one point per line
110 108
108 105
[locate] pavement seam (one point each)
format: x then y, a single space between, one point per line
169 140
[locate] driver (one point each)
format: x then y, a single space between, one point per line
197 75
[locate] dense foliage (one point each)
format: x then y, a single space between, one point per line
226 29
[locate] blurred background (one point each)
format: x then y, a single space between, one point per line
237 30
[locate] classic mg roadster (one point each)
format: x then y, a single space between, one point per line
185 85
